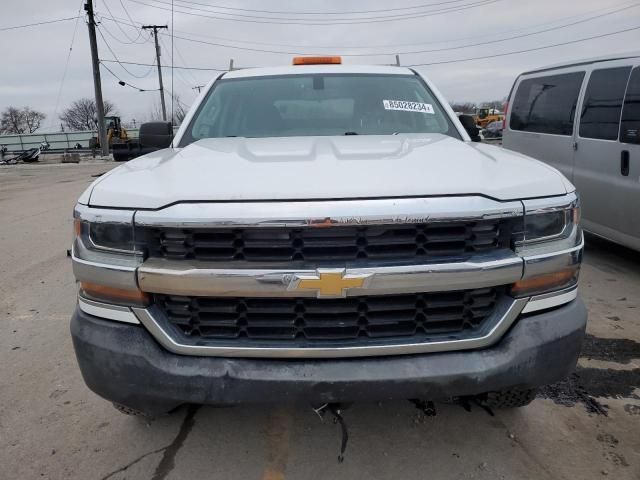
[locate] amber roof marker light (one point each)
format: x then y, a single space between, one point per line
317 60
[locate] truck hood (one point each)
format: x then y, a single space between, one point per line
304 168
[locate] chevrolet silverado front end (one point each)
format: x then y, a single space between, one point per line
326 233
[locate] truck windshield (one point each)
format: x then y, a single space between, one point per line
318 104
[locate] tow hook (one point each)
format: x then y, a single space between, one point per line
335 409
427 407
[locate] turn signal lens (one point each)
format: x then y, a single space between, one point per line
545 283
98 292
317 60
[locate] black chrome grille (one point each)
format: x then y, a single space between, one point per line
311 321
336 243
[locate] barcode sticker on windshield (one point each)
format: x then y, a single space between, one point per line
407 106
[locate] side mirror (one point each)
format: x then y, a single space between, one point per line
469 125
156 135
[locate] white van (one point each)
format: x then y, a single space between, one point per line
598 149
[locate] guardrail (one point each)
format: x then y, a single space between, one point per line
57 141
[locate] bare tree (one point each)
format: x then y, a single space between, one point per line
32 119
82 114
179 111
463 107
15 121
495 104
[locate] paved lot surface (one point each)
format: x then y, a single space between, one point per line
52 426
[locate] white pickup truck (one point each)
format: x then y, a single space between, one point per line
325 233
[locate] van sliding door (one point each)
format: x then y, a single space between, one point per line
542 118
630 158
606 209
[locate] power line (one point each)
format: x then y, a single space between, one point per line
504 54
117 59
294 21
489 42
4 29
390 47
184 80
131 41
382 10
115 37
206 69
123 83
66 66
514 52
409 52
126 13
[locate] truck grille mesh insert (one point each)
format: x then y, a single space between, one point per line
337 243
311 321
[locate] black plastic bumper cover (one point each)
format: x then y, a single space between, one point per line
124 364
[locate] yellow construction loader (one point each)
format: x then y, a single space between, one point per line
485 115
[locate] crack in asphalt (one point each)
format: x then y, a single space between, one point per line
133 462
168 459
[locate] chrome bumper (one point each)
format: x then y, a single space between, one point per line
202 279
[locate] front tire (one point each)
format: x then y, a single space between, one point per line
510 398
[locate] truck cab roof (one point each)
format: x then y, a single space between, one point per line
319 68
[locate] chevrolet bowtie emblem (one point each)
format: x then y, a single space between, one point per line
329 283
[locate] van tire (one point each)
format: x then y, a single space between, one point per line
511 398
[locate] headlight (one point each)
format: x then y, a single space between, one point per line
106 256
550 224
547 240
106 236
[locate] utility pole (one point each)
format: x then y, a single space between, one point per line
97 83
155 29
198 87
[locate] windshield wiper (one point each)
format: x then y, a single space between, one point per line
351 133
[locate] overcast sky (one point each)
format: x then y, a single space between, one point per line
32 60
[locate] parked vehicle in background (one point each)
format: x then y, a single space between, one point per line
584 119
486 115
325 233
493 130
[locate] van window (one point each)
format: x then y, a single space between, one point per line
547 104
630 127
603 103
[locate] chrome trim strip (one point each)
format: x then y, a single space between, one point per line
112 274
103 215
539 264
540 206
505 314
184 277
550 300
325 213
550 204
118 313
